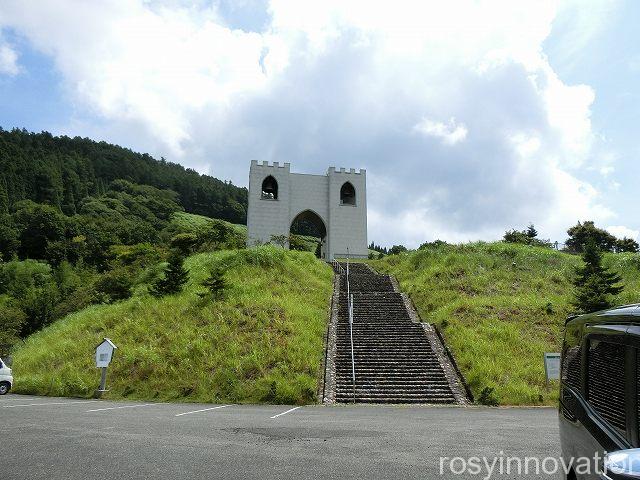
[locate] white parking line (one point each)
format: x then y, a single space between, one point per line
284 413
126 406
203 410
48 403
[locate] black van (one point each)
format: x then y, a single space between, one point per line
600 392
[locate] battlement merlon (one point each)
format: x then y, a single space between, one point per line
265 165
333 171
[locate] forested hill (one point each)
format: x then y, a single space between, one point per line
61 171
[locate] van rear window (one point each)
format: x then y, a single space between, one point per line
606 382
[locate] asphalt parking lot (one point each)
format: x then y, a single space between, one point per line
62 438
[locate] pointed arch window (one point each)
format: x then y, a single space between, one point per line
347 194
270 188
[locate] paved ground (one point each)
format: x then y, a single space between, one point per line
60 438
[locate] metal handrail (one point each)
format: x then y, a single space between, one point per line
353 360
337 266
350 305
341 271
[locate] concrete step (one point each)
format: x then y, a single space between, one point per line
392 381
386 360
374 347
395 388
422 399
395 374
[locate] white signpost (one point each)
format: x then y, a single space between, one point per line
104 354
552 366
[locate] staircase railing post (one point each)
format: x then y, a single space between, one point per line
348 287
353 360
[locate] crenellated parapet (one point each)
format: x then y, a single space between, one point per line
285 167
333 170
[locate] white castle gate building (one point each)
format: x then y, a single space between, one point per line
335 204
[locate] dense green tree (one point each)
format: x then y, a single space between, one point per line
525 237
13 319
434 244
67 278
280 240
19 277
184 242
303 244
113 286
39 306
173 279
377 248
220 235
68 203
516 236
585 232
39 225
9 238
135 257
596 286
627 245
396 249
32 286
4 198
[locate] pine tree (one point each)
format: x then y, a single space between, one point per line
68 203
215 284
595 285
531 231
175 276
4 197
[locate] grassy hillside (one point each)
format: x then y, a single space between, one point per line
262 343
63 171
500 307
190 222
182 222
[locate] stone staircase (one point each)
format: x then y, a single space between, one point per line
395 361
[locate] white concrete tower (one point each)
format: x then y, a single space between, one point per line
336 203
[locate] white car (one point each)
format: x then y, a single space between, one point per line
6 379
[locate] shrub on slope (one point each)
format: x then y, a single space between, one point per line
500 307
263 342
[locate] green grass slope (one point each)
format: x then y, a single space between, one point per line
500 307
262 343
190 222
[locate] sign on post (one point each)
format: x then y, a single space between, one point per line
552 366
104 355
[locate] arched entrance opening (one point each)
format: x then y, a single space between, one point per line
308 232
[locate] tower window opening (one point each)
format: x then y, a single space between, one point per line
347 194
270 188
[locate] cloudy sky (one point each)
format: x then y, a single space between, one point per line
471 117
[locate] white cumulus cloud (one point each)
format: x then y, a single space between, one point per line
346 83
8 60
450 133
621 231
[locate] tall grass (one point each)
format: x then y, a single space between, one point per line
263 342
500 307
190 222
